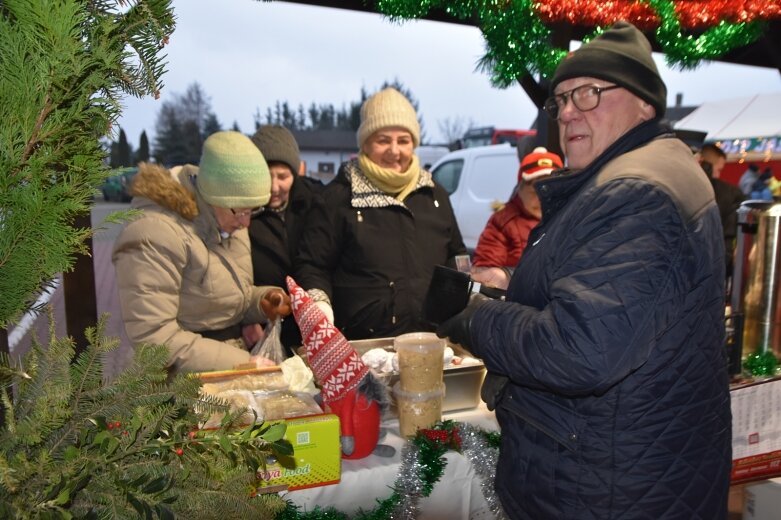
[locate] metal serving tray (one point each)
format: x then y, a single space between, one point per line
462 383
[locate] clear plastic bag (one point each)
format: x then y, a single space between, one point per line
271 346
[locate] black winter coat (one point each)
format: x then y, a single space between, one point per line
274 241
728 199
374 256
613 340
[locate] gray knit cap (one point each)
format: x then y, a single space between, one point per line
622 55
277 144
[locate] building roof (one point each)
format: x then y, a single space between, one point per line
326 139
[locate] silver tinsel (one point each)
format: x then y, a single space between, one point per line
483 459
408 483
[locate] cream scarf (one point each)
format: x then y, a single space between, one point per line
397 184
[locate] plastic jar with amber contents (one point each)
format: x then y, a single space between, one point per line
420 361
418 409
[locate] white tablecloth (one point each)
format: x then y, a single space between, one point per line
457 495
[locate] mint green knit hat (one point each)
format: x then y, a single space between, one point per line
233 172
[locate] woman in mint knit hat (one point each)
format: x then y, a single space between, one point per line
183 267
369 251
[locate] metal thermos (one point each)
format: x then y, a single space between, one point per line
756 278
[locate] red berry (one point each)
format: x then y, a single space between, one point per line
179 452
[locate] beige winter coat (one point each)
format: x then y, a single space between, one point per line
176 275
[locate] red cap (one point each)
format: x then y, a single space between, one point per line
538 163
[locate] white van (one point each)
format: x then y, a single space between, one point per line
428 155
476 179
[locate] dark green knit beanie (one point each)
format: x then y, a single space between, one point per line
622 55
277 144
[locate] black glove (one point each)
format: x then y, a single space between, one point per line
457 327
492 389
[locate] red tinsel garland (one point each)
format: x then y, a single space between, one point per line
693 14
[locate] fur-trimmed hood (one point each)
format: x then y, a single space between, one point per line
175 190
172 189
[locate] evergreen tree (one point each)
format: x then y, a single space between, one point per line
190 113
211 125
191 141
170 149
143 148
327 119
343 119
113 155
301 117
235 126
257 118
314 116
288 116
123 151
355 110
398 85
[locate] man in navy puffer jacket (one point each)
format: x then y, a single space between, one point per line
606 362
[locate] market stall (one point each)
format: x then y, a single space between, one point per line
748 129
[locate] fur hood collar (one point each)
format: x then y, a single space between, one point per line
175 190
172 189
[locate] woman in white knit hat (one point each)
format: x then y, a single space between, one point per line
370 250
183 267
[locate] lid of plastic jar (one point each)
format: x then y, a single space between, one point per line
419 342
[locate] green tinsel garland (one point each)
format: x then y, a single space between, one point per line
517 42
427 455
686 51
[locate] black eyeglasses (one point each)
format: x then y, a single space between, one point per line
246 213
584 97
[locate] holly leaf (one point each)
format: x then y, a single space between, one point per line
225 444
275 432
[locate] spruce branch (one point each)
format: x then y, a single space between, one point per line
73 446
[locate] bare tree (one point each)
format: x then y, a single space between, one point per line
453 129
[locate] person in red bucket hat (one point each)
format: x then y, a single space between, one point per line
504 238
348 388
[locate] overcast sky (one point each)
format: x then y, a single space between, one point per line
248 54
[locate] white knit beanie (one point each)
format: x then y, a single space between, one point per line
388 108
233 172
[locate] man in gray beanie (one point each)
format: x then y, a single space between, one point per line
605 362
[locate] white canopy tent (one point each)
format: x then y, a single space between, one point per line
746 127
